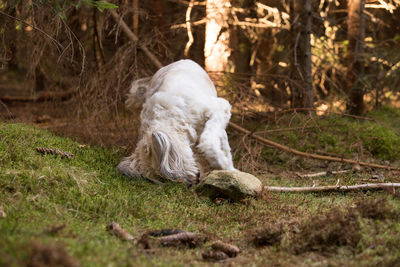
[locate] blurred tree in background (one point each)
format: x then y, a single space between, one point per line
272 54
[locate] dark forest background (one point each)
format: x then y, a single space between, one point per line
74 59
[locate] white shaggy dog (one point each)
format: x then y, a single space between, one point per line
181 113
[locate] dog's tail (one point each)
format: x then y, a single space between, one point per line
137 93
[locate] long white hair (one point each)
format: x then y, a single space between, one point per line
182 119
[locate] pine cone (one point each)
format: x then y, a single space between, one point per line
46 150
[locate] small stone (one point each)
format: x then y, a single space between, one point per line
235 185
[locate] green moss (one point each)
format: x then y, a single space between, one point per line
380 141
86 193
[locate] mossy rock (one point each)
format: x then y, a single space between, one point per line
235 185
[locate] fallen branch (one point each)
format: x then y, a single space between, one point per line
42 97
331 188
311 175
134 38
118 231
305 154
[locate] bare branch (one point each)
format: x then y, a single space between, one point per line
118 231
195 3
331 188
58 45
183 25
134 38
311 175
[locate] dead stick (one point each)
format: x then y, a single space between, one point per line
331 188
134 38
42 97
305 154
118 231
311 175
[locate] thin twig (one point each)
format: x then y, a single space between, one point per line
197 3
331 188
311 175
183 25
118 231
134 38
58 44
41 97
308 155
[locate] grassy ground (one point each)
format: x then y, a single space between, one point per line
57 209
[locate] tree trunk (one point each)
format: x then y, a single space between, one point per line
242 53
216 47
302 95
355 56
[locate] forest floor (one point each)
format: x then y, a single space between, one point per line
55 210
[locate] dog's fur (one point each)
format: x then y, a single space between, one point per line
181 113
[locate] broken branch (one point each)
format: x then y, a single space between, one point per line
305 154
134 38
118 231
311 175
331 188
42 97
